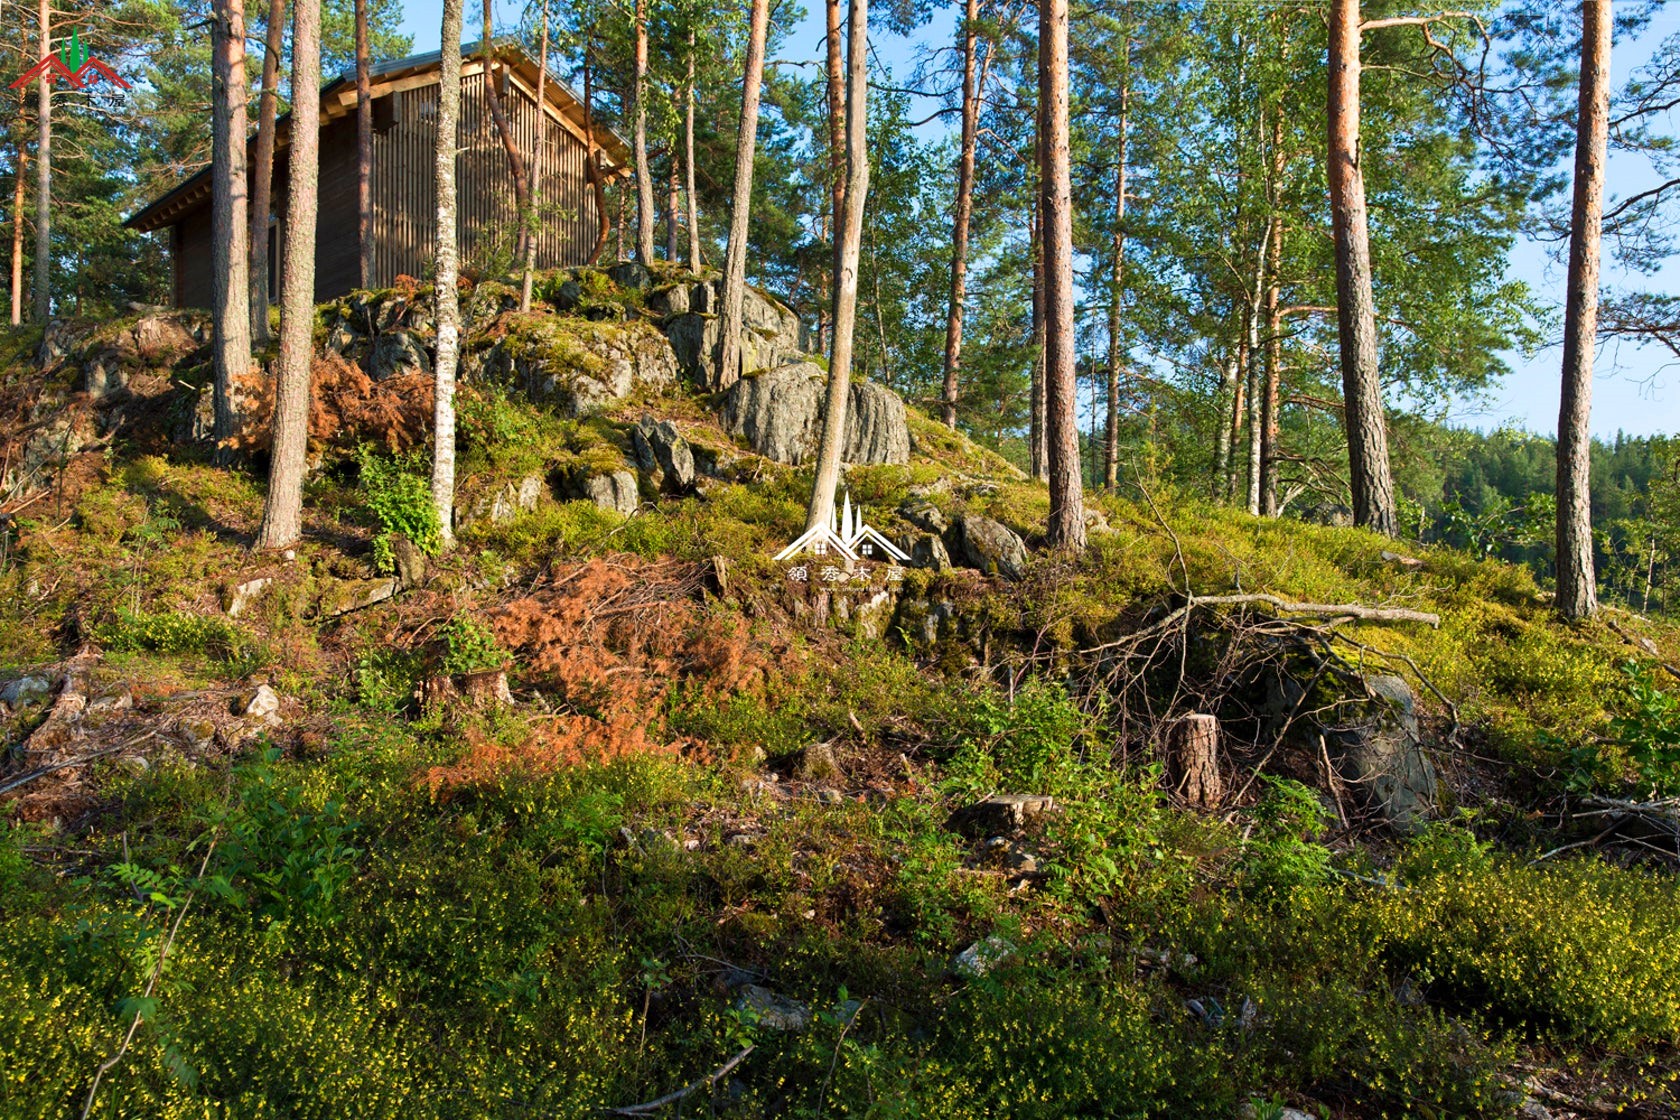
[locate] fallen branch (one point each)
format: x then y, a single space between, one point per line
79 760
1341 610
672 1098
1644 644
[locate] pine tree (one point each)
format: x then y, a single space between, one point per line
229 220
448 298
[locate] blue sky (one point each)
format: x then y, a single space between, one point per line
1636 390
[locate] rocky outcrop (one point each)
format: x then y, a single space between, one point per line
577 365
1382 755
990 546
664 454
688 312
780 413
614 490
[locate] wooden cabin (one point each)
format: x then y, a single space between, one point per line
405 106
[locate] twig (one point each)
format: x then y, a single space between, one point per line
151 983
670 1098
79 760
1645 646
822 1097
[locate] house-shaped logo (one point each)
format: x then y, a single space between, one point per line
73 64
845 536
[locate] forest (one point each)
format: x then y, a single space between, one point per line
662 558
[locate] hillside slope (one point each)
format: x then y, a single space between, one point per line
607 805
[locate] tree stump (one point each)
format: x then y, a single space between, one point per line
1193 760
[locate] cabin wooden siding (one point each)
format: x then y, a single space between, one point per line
405 194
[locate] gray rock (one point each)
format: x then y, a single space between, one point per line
630 275
926 550
777 1012
197 734
399 354
584 369
919 619
819 763
663 453
616 491
26 690
992 547
1382 756
982 957
780 413
1000 814
243 596
410 561
830 797
770 333
349 595
264 701
925 516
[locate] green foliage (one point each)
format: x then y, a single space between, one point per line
387 679
397 492
1031 742
1650 731
174 632
469 646
1283 850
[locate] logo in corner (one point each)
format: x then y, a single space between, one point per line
73 64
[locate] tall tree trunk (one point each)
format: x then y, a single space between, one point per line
1239 404
1367 435
17 229
694 262
498 114
262 175
836 90
673 212
645 213
1274 327
43 177
448 295
746 145
282 521
364 148
1228 374
1117 292
846 276
1252 359
1067 504
592 164
230 223
539 158
1577 594
1037 459
961 213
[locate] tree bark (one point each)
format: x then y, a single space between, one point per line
43 177
591 164
282 521
1274 330
1577 594
364 148
230 222
673 211
1067 507
17 230
1117 295
961 213
1251 350
645 213
694 262
836 91
746 145
262 175
1035 409
516 160
1193 750
846 273
538 159
448 296
1367 435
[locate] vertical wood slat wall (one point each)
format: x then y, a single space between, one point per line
405 190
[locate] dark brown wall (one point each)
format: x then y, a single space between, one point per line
405 196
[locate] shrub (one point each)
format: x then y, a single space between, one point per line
1650 730
469 646
173 632
396 491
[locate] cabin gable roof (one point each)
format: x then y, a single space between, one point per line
338 99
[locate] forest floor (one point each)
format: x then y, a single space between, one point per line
593 810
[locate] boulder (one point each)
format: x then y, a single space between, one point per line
780 413
343 596
630 275
506 502
241 597
768 1009
982 957
577 365
925 551
616 491
399 353
990 546
663 453
1382 755
410 561
25 690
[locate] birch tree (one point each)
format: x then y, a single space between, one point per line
448 298
282 521
846 267
364 148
